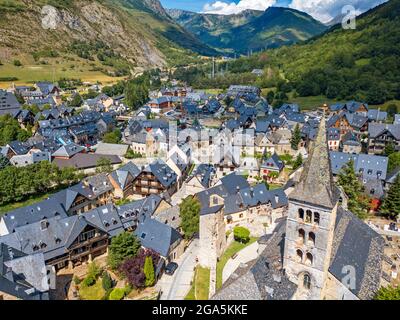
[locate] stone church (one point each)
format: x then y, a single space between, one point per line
319 251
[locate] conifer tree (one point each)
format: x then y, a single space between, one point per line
296 138
298 162
353 188
149 271
391 203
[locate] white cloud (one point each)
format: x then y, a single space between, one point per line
326 10
220 7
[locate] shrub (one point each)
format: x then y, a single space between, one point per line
94 270
89 281
76 280
117 294
17 63
106 281
241 234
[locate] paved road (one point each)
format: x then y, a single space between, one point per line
177 286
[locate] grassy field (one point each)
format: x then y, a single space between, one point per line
229 252
57 68
95 292
200 286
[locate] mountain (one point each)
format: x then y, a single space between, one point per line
250 30
137 32
361 63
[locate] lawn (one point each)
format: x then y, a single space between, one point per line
229 252
95 292
274 186
200 285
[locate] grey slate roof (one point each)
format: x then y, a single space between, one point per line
85 160
8 103
68 150
368 166
204 172
376 129
356 244
164 174
121 175
376 115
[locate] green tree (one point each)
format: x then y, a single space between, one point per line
296 138
113 136
389 149
123 246
117 294
17 63
106 281
190 215
298 162
149 271
394 161
76 101
391 203
392 109
104 165
388 293
241 234
270 96
353 188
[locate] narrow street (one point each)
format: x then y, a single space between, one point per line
177 286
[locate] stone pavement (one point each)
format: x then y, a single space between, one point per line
177 286
245 255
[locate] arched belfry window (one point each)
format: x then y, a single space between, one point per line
308 216
316 217
307 281
302 236
299 255
301 214
311 238
309 259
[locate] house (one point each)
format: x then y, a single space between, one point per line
156 178
123 179
349 122
351 107
271 168
376 115
160 104
263 145
47 88
8 103
333 139
257 72
15 148
367 166
179 162
234 90
380 135
211 107
23 276
200 179
24 117
68 151
33 156
144 143
281 140
351 143
249 167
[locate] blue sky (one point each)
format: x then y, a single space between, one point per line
323 10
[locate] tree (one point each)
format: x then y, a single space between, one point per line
353 188
103 165
391 203
149 271
388 293
389 149
4 162
122 247
296 138
17 63
133 268
190 215
106 281
392 109
76 101
270 96
394 161
117 294
113 137
298 162
241 234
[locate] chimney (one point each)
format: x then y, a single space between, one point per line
252 192
44 224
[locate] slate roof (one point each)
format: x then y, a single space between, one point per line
204 172
8 103
18 147
369 166
316 184
376 129
120 176
68 150
232 182
22 276
356 244
274 162
376 115
85 160
112 149
156 235
333 134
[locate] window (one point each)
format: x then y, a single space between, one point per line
307 281
299 254
302 235
309 259
316 217
308 216
301 214
311 238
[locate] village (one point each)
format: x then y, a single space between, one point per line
186 197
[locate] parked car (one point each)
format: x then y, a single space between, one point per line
171 268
